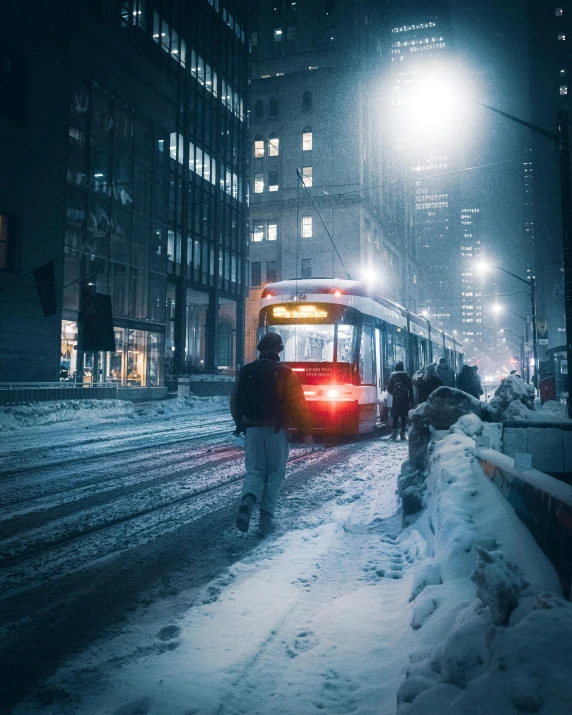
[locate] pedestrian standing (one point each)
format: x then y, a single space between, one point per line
266 397
426 380
477 387
446 373
401 388
467 383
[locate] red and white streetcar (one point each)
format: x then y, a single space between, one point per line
343 341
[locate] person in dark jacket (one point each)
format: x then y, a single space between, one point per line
425 381
267 442
446 373
401 387
477 387
466 381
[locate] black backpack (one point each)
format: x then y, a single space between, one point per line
400 392
257 397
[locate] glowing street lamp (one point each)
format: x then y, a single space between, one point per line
483 266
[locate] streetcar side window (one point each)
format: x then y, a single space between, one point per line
367 356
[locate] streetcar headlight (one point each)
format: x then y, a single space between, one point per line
333 393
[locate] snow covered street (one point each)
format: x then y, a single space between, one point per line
127 590
138 516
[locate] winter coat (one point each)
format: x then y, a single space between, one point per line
293 408
467 383
426 385
447 374
477 387
402 399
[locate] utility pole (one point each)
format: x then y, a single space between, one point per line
564 153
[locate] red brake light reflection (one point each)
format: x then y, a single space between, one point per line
298 369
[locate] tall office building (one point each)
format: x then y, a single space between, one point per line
550 68
321 199
421 38
124 166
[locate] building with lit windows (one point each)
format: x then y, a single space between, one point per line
550 68
421 39
124 165
471 286
321 200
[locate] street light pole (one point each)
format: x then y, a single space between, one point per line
531 287
564 152
562 141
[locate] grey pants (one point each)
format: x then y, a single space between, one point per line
266 455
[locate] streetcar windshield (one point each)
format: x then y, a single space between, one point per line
315 343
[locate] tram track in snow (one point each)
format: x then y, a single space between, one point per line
48 555
30 553
204 431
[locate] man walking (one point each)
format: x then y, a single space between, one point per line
266 397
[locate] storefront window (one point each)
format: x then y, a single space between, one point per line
116 360
68 358
155 359
136 358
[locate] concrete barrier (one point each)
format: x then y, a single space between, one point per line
549 443
542 503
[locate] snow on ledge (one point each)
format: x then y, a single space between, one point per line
487 609
39 414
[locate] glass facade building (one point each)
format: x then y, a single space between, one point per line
146 117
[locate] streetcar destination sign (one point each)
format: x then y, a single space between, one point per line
305 311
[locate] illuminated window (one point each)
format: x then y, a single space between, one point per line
271 275
307 101
273 145
306 227
272 181
258 183
258 232
306 267
4 242
256 273
307 139
277 34
307 175
558 11
258 146
561 36
272 231
563 89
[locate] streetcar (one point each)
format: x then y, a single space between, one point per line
343 341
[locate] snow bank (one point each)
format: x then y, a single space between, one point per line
513 388
489 598
39 414
47 413
188 404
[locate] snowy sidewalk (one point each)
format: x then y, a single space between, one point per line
314 621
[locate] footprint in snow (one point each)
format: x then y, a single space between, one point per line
303 642
167 633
